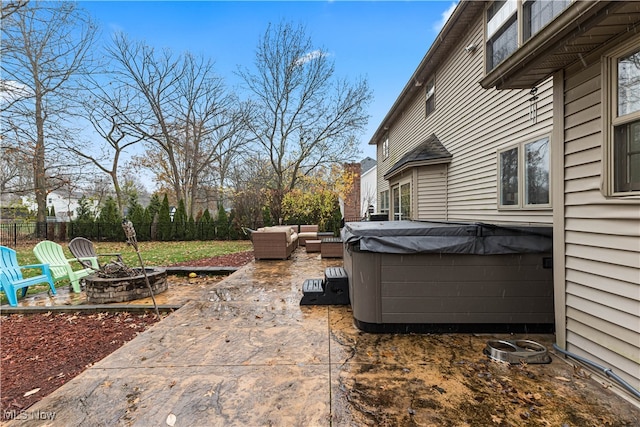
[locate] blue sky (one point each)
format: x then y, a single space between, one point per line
383 41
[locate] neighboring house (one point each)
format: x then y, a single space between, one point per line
65 204
528 111
368 187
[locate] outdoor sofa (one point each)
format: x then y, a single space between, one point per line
277 242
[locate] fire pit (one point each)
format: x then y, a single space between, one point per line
102 290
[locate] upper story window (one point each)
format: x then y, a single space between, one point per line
524 175
510 23
538 13
385 146
502 31
622 121
430 96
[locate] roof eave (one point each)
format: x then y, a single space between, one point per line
416 80
416 164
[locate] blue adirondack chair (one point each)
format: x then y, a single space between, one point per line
11 278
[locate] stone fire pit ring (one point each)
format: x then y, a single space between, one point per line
102 290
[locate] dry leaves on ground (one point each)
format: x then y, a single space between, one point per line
41 352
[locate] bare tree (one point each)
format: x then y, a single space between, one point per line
15 175
106 108
303 116
45 47
11 7
184 110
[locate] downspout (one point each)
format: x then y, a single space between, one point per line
446 192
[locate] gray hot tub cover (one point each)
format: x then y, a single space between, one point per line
407 237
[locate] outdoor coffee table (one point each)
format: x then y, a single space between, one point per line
313 245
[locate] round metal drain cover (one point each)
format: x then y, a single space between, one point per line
517 351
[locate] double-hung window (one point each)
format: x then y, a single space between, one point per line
538 13
510 23
524 175
622 120
385 146
430 96
502 31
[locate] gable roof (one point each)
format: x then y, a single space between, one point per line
428 152
366 164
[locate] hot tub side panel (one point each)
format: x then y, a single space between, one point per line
450 289
363 270
433 288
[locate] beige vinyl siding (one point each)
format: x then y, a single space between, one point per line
602 239
432 187
473 124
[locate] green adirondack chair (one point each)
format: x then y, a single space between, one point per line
11 278
52 253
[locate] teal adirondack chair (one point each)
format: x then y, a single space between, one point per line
51 253
11 278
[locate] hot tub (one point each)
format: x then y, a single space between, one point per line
410 276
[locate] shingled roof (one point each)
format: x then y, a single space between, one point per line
430 151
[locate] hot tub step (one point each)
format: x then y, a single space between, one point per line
337 283
313 286
319 292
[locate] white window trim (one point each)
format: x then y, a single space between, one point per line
521 205
610 118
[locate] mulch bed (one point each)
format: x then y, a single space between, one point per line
41 352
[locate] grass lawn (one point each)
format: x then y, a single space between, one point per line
153 254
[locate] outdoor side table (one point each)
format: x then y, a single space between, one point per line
331 247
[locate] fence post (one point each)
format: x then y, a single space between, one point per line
15 235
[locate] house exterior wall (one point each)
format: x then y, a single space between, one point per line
65 206
601 236
432 192
596 238
473 124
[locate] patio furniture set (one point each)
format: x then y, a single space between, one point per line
279 242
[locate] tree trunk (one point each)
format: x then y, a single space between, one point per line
39 178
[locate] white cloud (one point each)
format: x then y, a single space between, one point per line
11 90
445 17
310 57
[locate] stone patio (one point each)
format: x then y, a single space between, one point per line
245 353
